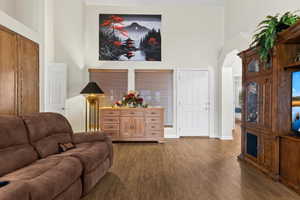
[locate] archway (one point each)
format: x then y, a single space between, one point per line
230 95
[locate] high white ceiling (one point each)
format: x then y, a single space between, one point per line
152 2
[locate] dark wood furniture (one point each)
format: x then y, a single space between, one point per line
266 120
19 74
133 124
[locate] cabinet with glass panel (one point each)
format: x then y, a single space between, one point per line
257 110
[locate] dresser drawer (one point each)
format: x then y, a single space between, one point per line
153 113
111 120
132 113
110 113
153 120
155 127
154 134
111 127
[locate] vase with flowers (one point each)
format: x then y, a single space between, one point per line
131 100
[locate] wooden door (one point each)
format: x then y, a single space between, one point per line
139 126
8 72
266 103
126 127
28 74
289 161
266 152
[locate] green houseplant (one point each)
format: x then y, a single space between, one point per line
267 32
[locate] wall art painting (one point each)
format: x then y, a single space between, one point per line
129 37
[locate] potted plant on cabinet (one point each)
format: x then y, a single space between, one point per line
267 32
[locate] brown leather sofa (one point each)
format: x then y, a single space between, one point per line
31 162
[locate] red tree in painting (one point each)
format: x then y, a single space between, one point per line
152 41
114 22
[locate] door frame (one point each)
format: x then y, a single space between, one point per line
211 94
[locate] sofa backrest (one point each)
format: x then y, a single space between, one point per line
15 149
46 131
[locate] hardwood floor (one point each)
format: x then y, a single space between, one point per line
187 169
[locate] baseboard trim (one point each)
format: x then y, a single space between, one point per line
226 138
171 137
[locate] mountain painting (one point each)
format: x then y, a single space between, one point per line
129 37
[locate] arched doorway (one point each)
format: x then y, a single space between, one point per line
231 93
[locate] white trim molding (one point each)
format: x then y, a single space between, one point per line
226 138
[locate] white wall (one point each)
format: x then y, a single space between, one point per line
9 7
24 11
69 48
189 39
49 31
227 104
242 17
27 12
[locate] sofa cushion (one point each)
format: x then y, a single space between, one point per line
48 177
91 155
15 150
46 130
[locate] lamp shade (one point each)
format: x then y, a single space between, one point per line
92 88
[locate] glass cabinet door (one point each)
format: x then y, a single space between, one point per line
253 66
252 105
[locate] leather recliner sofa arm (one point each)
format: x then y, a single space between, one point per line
15 191
90 137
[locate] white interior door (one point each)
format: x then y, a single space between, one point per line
56 88
194 101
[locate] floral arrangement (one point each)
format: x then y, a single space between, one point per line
132 99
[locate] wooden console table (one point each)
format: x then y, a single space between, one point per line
133 124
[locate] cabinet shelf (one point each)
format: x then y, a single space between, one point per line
293 65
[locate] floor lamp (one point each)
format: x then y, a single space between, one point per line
92 92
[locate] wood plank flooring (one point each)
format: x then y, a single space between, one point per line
187 169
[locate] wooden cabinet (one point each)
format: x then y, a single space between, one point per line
267 110
290 161
8 72
28 76
19 74
133 124
258 136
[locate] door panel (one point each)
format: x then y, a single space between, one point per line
266 103
126 127
28 76
266 152
193 96
139 124
56 88
8 73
